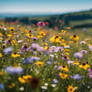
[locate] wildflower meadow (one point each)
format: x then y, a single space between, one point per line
40 59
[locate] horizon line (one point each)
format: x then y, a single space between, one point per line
46 12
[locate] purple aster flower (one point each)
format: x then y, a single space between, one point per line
24 48
59 68
36 47
90 73
49 62
14 70
55 81
70 62
90 70
84 52
52 49
33 58
30 60
76 77
34 38
90 47
55 49
1 86
59 49
8 50
65 58
78 55
7 41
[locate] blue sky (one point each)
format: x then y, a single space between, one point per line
43 6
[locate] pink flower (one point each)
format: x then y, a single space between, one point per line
40 24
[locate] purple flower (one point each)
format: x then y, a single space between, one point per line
52 49
90 47
78 55
1 86
30 60
55 81
84 52
70 62
77 77
36 47
24 48
90 70
34 38
55 49
8 50
90 73
65 58
49 62
14 70
59 68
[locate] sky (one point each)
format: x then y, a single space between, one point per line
43 6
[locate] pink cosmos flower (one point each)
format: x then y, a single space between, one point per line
40 24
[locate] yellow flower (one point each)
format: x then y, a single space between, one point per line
41 34
55 39
76 62
21 80
63 31
14 42
11 85
9 35
63 75
71 88
84 66
45 44
63 41
66 51
89 44
29 35
1 55
64 68
15 55
74 38
39 63
46 47
1 34
11 28
63 44
25 78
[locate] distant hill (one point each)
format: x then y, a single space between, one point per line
74 19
